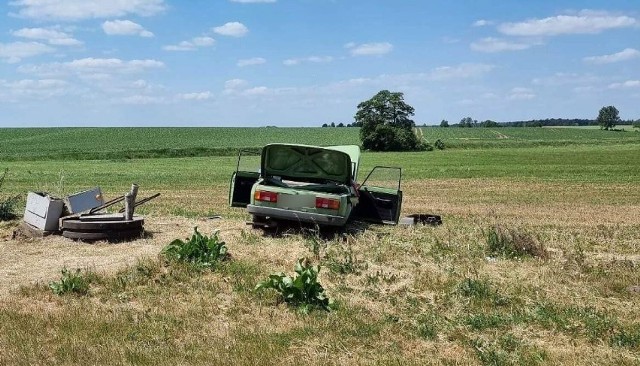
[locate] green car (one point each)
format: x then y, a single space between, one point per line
314 184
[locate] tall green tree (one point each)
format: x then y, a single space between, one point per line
386 124
444 123
608 117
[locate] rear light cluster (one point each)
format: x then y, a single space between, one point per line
327 203
265 196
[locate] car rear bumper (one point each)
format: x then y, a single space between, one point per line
311 217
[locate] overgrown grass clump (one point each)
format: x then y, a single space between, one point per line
302 291
514 243
200 250
7 205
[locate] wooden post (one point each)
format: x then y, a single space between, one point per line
130 202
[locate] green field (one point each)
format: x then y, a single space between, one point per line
435 295
118 143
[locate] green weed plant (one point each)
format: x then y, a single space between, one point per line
71 282
200 250
302 290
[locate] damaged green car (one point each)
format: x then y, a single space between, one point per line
313 184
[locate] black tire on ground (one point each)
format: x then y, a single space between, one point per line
77 225
103 235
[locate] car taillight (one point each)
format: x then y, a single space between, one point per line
327 203
265 196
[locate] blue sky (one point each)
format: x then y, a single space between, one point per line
308 62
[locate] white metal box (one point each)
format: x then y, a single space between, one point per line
86 200
43 211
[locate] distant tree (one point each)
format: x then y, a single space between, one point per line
608 117
325 125
444 123
466 122
636 124
340 124
386 123
490 124
333 124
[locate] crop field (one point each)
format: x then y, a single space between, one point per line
127 143
537 261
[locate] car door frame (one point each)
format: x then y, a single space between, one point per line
379 205
242 182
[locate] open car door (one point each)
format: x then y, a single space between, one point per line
380 196
245 176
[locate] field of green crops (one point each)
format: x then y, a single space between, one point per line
560 286
118 143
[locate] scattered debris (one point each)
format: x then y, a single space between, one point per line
81 216
424 219
83 201
42 212
634 289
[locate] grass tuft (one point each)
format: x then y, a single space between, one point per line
8 205
72 282
514 243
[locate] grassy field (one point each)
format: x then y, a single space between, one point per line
126 143
569 208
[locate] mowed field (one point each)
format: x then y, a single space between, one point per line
403 295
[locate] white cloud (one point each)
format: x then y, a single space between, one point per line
584 22
125 28
482 23
626 85
258 90
143 100
92 66
16 51
312 59
43 88
251 61
139 84
253 1
624 55
370 49
72 10
491 44
52 36
196 96
232 29
235 84
521 94
34 84
562 78
461 71
191 45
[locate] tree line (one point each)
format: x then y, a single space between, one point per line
386 125
547 122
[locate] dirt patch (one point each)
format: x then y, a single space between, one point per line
25 261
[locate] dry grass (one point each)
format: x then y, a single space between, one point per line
404 295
